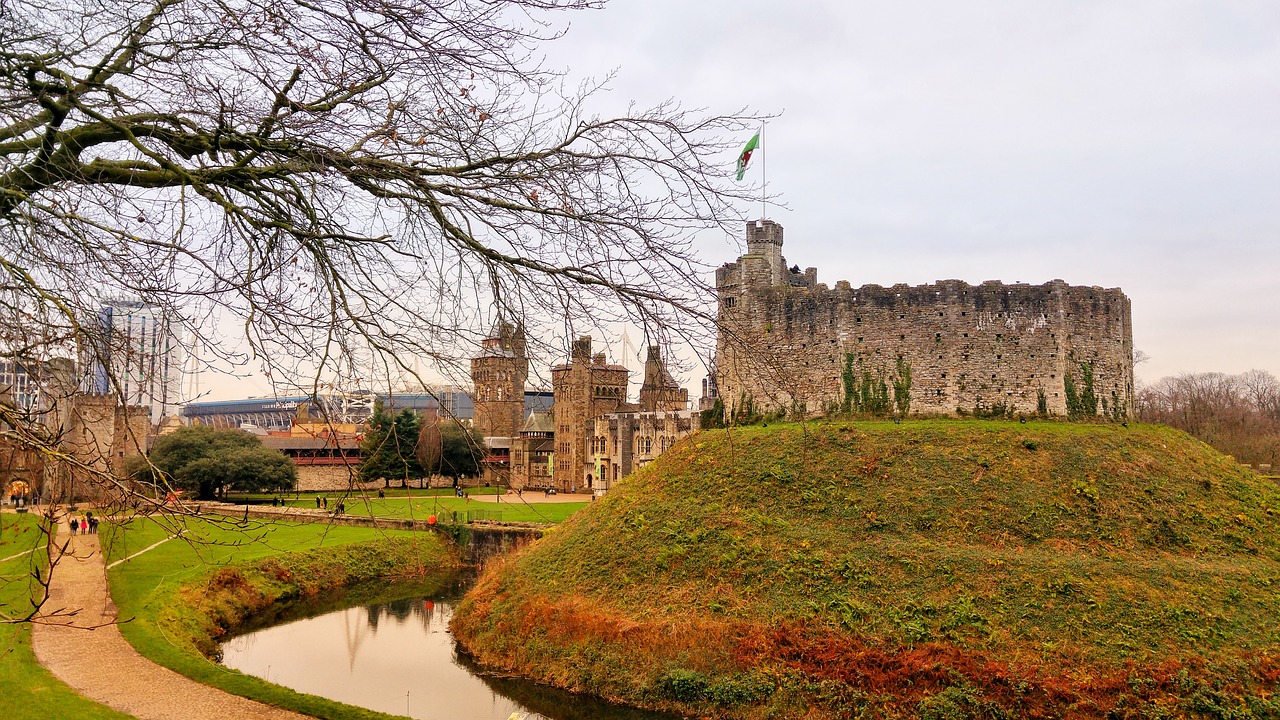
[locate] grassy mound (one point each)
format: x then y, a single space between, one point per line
930 569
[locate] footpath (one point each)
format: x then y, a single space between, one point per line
79 642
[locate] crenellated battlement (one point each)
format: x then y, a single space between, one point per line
763 232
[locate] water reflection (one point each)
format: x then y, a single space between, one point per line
399 658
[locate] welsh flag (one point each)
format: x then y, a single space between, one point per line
745 157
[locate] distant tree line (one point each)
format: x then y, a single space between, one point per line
1237 414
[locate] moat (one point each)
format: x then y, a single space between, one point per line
399 658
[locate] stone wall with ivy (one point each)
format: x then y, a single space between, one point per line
948 348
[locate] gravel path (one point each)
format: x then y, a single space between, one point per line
86 651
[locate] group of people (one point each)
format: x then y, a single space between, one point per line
84 525
322 503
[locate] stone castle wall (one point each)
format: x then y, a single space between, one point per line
788 342
312 478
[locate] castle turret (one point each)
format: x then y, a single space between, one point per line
764 241
585 388
660 390
763 235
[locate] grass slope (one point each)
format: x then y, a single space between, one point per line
930 569
181 598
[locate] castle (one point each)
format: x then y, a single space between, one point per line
592 437
789 343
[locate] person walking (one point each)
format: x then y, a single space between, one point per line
75 525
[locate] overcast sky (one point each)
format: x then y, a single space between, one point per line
1121 144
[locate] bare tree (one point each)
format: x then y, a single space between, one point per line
355 185
1262 390
1234 413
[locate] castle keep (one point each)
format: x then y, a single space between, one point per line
787 342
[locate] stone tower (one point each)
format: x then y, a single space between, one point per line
100 436
585 388
498 374
660 391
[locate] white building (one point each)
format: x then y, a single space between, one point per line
34 387
135 355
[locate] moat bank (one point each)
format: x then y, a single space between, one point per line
183 597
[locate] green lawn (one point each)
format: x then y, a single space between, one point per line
452 509
212 542
393 491
28 690
152 590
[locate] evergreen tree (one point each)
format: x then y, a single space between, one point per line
388 447
460 451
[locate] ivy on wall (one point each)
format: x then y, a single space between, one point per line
867 393
1082 401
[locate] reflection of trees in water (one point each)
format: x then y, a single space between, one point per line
402 611
554 703
356 598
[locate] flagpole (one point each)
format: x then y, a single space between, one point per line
764 177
